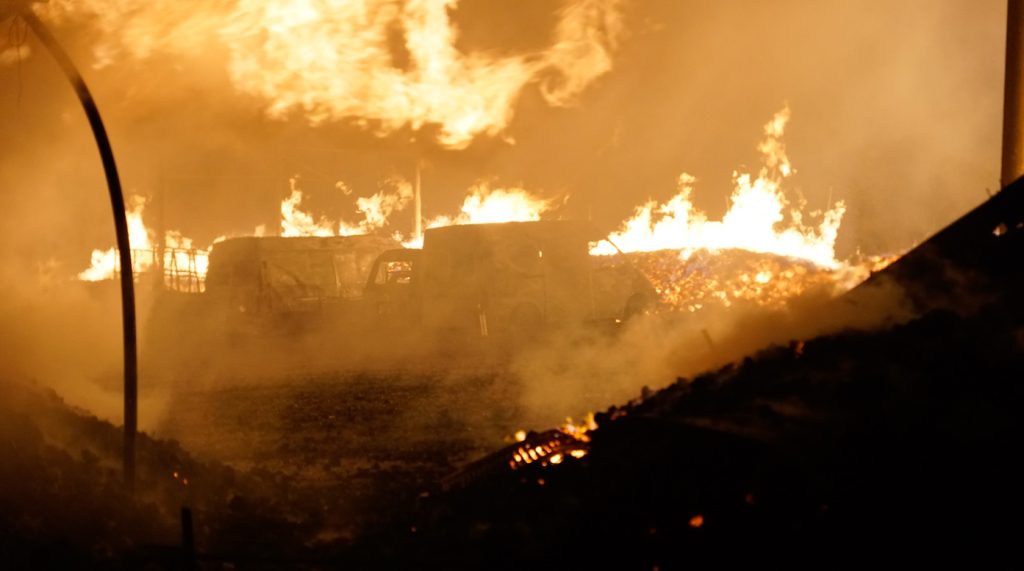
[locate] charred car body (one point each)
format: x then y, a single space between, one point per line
289 284
503 282
506 281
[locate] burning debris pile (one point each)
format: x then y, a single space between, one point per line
729 277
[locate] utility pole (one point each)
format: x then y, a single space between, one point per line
1013 96
418 203
22 8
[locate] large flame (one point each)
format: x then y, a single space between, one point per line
338 59
485 205
393 195
755 221
482 205
184 265
297 222
104 265
754 254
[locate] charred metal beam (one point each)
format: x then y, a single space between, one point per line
22 9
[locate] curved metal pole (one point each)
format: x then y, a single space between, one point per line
131 372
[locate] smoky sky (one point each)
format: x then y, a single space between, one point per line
896 110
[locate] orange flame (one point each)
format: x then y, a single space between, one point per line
179 252
338 60
752 222
296 222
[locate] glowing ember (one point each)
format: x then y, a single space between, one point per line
336 60
729 277
550 447
579 431
697 521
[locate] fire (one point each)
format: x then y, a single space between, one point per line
184 266
752 223
104 264
394 195
296 222
754 254
335 60
579 431
484 205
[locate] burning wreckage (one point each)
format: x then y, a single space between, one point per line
505 283
823 451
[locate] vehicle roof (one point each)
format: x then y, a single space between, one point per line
252 244
530 227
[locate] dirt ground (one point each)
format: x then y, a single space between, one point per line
357 448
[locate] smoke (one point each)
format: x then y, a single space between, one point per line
66 335
575 371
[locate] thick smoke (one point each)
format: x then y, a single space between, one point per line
575 372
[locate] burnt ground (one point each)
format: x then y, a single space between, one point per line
357 449
286 472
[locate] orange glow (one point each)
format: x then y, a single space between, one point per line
697 521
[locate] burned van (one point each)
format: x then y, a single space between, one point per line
284 284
